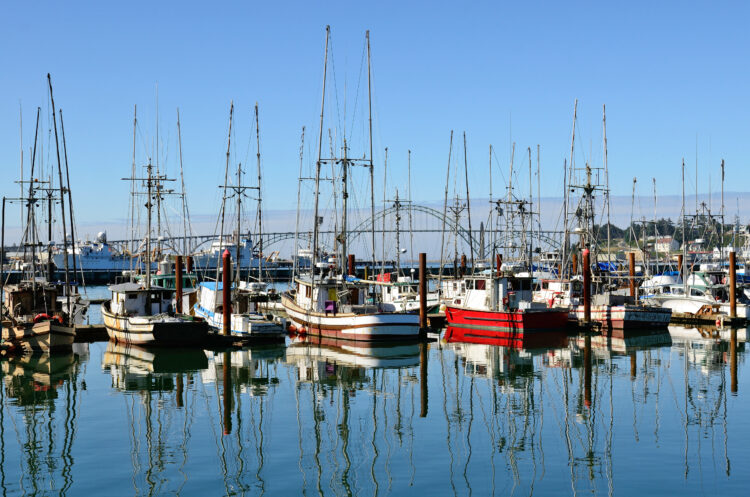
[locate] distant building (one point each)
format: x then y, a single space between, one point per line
666 244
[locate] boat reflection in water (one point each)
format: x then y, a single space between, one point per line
137 368
45 390
249 367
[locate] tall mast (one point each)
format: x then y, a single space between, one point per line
684 247
492 213
238 258
30 224
70 195
372 163
569 177
296 223
62 197
721 243
158 172
133 245
317 166
226 180
606 178
411 231
343 262
185 210
468 204
531 220
149 178
20 137
445 209
398 235
385 183
260 198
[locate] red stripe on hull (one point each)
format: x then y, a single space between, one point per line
303 330
517 321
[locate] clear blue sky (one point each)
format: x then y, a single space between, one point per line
501 71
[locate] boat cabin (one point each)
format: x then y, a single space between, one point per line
488 293
333 295
27 300
132 299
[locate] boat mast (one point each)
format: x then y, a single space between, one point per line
238 261
531 220
260 200
491 217
411 231
70 195
20 137
185 210
468 204
721 243
31 200
372 164
296 223
568 177
398 235
224 197
314 259
343 262
62 198
133 246
684 247
149 177
606 177
385 184
445 211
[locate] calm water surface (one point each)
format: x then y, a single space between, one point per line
665 414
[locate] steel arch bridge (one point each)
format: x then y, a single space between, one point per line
365 227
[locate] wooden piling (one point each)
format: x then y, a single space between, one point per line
679 264
178 390
732 285
586 287
350 265
498 264
631 273
463 265
422 292
586 363
227 292
574 261
178 283
189 264
633 367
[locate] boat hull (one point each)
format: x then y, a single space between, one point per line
506 324
385 326
245 326
44 335
626 317
153 330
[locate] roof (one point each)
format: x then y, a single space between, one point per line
127 287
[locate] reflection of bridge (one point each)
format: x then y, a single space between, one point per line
422 217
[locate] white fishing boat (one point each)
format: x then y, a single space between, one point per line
330 301
145 316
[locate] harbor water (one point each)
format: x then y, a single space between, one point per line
654 415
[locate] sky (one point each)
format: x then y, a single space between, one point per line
673 77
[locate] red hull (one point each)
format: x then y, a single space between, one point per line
506 324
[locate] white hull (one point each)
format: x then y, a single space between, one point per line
692 304
153 330
374 326
244 325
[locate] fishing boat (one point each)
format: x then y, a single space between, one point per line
34 319
329 300
501 306
142 313
247 322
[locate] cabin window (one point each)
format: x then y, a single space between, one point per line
696 293
545 285
308 291
132 296
481 284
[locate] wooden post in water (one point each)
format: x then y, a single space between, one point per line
227 384
498 264
178 283
423 379
227 292
631 273
463 265
586 287
350 265
679 264
633 368
574 260
189 264
733 361
732 284
422 292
